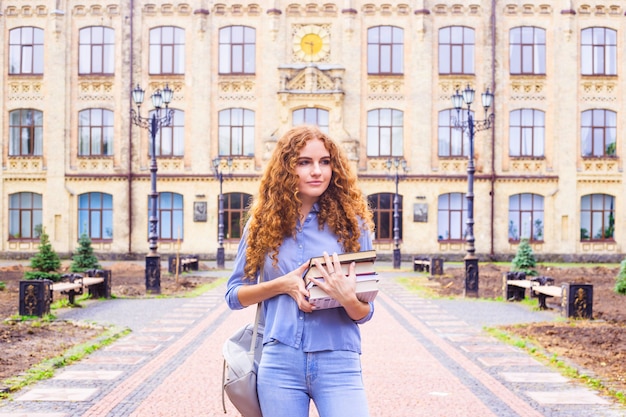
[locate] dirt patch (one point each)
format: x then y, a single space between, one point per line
596 347
24 344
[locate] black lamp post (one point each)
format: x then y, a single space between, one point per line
160 99
217 167
397 163
472 126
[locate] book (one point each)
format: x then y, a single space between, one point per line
364 264
366 278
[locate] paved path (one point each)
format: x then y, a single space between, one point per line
421 357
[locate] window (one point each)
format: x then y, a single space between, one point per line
26 132
598 133
95 216
235 208
597 217
456 50
96 50
26 51
237 50
382 207
527 50
236 132
311 116
25 215
170 140
453 142
526 217
598 51
95 132
451 217
167 50
385 50
526 133
170 216
385 132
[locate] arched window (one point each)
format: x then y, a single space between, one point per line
382 207
236 132
527 133
451 217
235 207
598 133
95 216
26 51
95 132
385 132
527 50
452 142
170 215
597 217
456 50
237 50
96 50
526 217
311 116
598 51
25 215
170 140
385 50
167 50
25 132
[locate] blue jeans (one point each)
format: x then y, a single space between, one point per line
289 378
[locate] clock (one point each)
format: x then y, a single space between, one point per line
311 43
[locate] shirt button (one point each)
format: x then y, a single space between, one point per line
301 317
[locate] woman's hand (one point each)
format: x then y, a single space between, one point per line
293 285
341 287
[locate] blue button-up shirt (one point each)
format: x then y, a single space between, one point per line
330 329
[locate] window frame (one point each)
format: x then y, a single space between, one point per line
533 50
451 138
98 211
598 54
448 212
236 124
33 131
447 47
391 129
173 48
21 212
607 216
385 51
598 132
89 51
519 133
176 213
32 47
242 49
383 216
311 115
105 129
170 137
522 209
234 217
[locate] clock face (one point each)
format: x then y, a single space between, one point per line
311 43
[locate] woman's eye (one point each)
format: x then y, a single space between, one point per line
325 162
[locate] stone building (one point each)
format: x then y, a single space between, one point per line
378 76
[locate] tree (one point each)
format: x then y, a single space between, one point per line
620 284
45 262
84 259
524 260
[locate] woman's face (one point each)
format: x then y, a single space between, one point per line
313 169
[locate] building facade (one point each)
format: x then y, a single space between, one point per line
377 76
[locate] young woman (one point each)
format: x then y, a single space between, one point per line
308 204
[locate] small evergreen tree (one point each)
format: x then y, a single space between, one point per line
620 284
84 259
524 260
45 262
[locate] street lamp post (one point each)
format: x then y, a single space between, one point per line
217 167
160 100
397 163
471 126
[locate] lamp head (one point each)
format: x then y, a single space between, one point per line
138 94
487 99
457 100
468 95
168 94
216 162
157 99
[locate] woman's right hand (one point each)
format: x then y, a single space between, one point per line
293 285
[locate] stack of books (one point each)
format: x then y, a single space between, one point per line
366 278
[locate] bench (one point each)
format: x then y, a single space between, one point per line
36 295
183 263
425 264
576 299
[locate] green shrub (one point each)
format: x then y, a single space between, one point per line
524 260
620 284
3 286
45 262
84 259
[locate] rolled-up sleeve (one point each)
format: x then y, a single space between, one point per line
236 279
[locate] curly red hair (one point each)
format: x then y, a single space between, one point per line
275 210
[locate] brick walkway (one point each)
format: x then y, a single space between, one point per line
421 357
